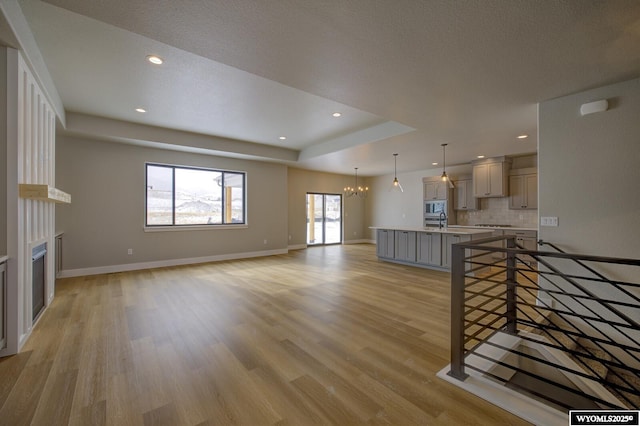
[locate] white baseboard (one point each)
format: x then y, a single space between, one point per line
68 273
304 246
363 241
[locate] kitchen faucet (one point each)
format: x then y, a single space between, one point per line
442 214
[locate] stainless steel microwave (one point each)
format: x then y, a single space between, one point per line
433 208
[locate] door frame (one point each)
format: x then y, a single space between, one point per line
324 218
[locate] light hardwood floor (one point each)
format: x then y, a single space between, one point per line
327 335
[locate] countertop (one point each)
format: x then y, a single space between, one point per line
491 228
449 230
3 258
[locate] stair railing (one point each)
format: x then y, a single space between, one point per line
486 302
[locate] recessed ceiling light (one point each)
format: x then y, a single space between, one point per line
156 60
523 136
480 156
282 138
141 110
337 114
434 164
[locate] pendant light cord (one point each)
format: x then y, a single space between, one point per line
395 166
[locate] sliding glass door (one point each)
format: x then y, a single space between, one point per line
324 219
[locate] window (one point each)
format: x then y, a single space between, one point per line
178 196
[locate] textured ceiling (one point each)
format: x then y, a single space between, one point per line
407 75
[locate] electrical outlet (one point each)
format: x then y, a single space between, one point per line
549 221
129 251
265 241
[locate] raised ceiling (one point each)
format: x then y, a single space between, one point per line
407 76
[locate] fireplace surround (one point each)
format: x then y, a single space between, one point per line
38 280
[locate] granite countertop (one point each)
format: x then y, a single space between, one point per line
449 230
513 228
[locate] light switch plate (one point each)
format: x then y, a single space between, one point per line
549 221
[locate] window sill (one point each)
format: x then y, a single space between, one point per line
192 228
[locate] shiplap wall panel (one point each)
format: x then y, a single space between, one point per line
35 122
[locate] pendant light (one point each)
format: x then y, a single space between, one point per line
395 186
445 177
356 191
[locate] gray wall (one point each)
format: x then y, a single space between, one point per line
3 150
302 182
106 215
589 171
589 178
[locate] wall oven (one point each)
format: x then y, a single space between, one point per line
432 210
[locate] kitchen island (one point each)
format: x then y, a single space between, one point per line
423 247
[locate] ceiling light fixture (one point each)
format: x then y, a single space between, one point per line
395 185
282 138
142 110
523 136
444 176
337 114
435 163
356 191
156 60
480 156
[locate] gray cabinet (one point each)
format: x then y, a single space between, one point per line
490 178
435 190
527 240
385 243
498 255
405 249
523 191
464 199
447 241
429 248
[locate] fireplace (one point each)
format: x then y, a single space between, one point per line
38 262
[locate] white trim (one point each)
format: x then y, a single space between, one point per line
521 405
163 263
362 241
516 403
297 247
173 228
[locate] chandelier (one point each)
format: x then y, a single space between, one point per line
356 191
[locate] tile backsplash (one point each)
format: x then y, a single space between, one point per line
496 211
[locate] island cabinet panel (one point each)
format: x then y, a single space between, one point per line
429 248
405 246
423 247
386 243
447 241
